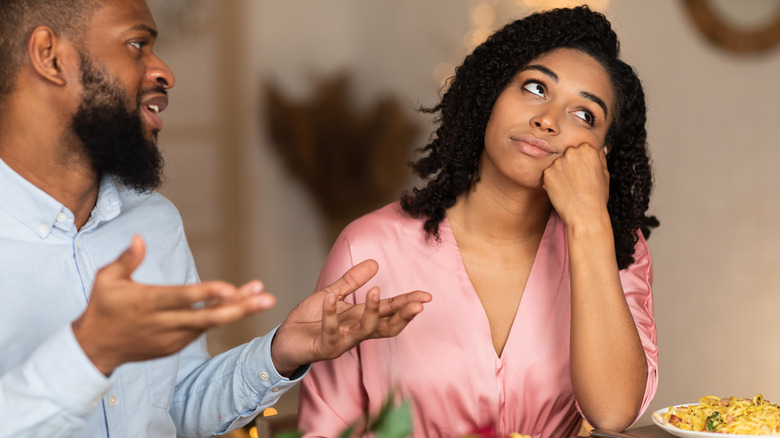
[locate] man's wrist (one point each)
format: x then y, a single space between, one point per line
93 354
284 367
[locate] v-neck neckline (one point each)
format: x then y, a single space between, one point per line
472 292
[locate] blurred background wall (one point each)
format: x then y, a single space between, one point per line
714 136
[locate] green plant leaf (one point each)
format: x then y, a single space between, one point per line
397 423
391 422
347 433
377 422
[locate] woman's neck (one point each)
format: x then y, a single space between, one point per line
492 214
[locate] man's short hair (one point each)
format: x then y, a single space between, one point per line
18 18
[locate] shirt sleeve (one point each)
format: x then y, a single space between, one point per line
34 404
217 395
332 396
637 282
229 390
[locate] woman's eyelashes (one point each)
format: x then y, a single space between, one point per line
537 88
586 115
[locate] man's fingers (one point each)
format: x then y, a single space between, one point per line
370 319
396 312
354 278
391 305
392 325
330 321
335 340
184 297
211 294
253 287
208 317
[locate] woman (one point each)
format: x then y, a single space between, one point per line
529 233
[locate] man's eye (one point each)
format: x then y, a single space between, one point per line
585 115
535 88
138 44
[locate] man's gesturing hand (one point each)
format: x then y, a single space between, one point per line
323 326
127 321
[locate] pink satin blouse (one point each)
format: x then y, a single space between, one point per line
444 362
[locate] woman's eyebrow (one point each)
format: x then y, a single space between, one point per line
552 75
596 99
540 68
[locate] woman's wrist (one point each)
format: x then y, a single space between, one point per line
590 227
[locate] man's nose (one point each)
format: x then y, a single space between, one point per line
160 74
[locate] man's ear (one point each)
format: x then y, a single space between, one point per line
46 52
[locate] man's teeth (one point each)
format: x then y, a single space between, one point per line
154 108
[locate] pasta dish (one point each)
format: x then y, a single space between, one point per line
733 415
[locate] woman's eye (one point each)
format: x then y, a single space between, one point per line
535 88
585 115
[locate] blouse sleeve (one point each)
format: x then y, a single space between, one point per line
332 396
637 282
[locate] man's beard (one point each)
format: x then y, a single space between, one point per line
112 132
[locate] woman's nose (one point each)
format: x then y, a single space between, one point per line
546 121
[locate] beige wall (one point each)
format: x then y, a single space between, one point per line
715 140
714 136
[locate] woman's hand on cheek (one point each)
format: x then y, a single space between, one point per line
577 184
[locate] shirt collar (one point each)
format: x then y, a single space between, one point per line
108 205
40 212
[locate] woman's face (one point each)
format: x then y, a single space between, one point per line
561 99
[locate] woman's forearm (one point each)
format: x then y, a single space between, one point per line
608 365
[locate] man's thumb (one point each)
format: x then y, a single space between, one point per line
129 260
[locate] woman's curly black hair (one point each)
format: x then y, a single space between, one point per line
453 155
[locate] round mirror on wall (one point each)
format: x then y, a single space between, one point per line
744 26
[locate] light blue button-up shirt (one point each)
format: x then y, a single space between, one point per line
48 386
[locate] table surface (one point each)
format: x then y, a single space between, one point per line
651 431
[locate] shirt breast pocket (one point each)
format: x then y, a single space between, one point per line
161 380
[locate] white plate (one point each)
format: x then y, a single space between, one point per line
689 433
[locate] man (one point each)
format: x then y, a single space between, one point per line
98 338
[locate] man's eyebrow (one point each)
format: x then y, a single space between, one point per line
543 69
596 99
146 28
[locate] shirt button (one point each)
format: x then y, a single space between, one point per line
43 229
62 217
276 389
78 243
113 400
263 376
